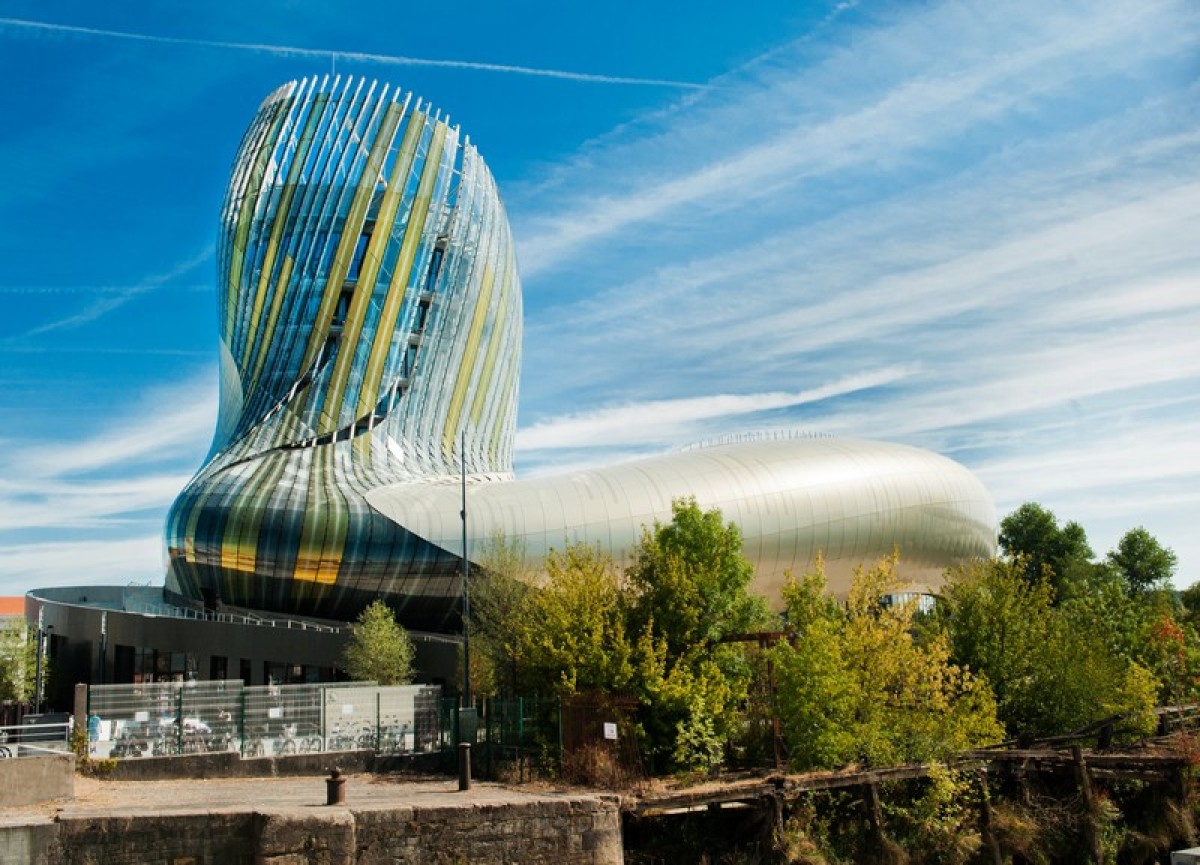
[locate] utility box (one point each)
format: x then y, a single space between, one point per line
1190 856
468 725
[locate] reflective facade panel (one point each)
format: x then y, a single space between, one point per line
369 330
369 324
851 501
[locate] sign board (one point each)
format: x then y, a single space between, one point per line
610 730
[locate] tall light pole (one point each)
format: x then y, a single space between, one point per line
104 648
37 676
466 714
466 577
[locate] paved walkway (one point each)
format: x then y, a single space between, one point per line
116 798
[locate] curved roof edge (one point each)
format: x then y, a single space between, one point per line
852 501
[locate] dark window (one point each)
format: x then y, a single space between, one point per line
360 253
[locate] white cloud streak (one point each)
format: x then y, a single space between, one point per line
1003 200
111 300
101 497
112 561
666 421
914 114
352 56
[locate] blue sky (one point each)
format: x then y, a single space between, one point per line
967 226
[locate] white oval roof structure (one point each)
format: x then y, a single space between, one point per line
850 501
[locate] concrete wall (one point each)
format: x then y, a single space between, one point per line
582 831
29 780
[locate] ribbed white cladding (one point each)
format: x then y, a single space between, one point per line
851 501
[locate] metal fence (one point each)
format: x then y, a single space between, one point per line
36 735
522 733
172 718
169 718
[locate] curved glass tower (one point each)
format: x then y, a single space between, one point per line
370 326
370 321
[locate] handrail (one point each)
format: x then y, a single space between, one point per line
170 611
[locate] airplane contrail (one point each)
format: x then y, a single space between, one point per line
359 56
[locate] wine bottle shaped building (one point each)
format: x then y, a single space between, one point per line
369 324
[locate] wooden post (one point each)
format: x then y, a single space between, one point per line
985 820
1181 789
874 811
1085 789
774 824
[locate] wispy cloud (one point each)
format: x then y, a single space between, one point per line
103 494
666 421
1002 199
884 126
352 56
112 299
110 561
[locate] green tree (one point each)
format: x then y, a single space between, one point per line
1032 533
1148 628
570 634
1142 562
18 660
379 649
1190 599
690 585
857 685
692 580
996 621
499 590
1054 669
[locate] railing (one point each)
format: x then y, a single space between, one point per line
169 611
163 719
35 739
171 718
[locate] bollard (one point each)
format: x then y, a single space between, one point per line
464 765
335 788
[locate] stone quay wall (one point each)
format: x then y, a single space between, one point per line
27 780
560 831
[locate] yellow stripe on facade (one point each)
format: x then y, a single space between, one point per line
245 219
502 410
326 520
282 212
483 389
467 365
351 230
366 278
285 274
368 395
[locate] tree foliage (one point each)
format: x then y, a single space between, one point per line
857 685
1038 643
1142 562
1048 551
499 590
1050 675
570 634
690 585
18 660
655 632
691 581
379 649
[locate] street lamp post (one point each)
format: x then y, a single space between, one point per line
103 648
466 578
43 635
466 715
37 675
